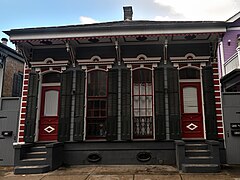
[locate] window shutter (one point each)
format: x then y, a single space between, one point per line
79 106
65 106
17 84
31 110
112 104
126 104
160 129
209 103
173 103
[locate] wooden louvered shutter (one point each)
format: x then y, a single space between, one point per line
31 110
209 103
79 106
160 130
112 101
65 106
173 103
126 104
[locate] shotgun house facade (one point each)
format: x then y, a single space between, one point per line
11 78
229 63
124 92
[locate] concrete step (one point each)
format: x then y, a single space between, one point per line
198 159
32 161
31 169
40 148
196 146
200 168
197 152
40 154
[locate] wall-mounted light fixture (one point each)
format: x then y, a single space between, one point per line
229 42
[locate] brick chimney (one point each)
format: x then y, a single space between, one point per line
128 13
4 41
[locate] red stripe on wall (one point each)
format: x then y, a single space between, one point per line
220 129
219 118
218 105
215 70
25 87
21 140
26 76
23 115
217 93
27 70
218 112
21 134
220 136
25 93
22 127
24 98
219 124
23 110
215 77
216 88
24 104
25 82
216 82
214 65
22 122
217 99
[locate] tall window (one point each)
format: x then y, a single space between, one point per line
142 104
96 104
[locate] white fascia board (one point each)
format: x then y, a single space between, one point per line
63 35
234 18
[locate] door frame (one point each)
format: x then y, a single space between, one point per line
201 105
51 86
39 104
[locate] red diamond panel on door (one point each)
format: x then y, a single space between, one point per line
191 110
48 125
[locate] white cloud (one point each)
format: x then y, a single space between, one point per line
201 9
87 20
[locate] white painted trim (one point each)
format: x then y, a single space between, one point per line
222 58
142 59
203 104
192 59
233 29
96 60
21 101
38 108
85 107
162 31
47 59
50 84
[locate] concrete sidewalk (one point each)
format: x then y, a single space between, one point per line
123 172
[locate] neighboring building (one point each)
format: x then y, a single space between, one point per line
229 61
11 77
124 92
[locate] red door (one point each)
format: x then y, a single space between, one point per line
48 125
191 110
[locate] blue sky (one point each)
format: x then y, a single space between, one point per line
29 13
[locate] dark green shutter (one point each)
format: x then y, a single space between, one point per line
112 104
126 104
173 103
31 110
17 84
160 130
209 102
65 106
79 106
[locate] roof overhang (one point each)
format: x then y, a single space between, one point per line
116 29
